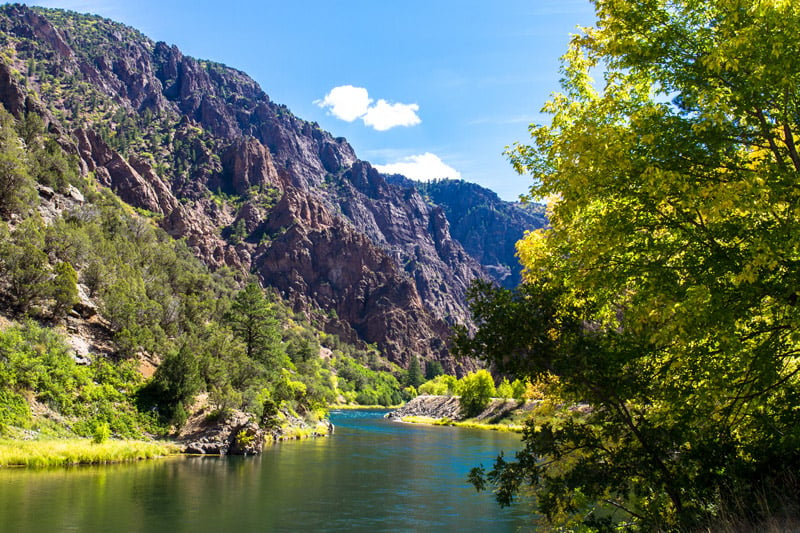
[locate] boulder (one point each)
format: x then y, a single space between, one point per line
234 434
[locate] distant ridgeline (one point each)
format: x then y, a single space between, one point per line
202 150
487 227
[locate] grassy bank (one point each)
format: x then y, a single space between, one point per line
294 432
472 424
65 452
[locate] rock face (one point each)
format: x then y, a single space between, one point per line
134 181
448 407
245 182
429 406
487 227
235 434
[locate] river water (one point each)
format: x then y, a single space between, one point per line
372 475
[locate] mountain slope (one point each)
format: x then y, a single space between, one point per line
246 183
487 227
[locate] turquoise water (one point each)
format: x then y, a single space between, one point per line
372 475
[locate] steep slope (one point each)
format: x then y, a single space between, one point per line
487 227
246 183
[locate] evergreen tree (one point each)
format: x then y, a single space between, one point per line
173 386
25 265
252 319
414 377
16 185
433 369
65 289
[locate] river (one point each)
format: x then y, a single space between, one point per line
372 475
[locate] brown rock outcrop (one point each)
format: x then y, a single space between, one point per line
145 190
246 163
234 434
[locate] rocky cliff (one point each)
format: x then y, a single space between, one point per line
487 227
248 185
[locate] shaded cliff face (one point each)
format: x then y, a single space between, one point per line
246 183
487 227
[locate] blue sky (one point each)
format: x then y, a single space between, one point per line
433 88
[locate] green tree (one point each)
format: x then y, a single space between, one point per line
504 390
252 319
665 291
16 184
52 167
132 314
24 264
433 369
414 377
475 391
64 288
173 386
441 385
518 389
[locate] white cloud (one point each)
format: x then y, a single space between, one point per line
349 103
384 116
346 102
423 167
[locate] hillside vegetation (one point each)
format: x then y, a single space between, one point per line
78 264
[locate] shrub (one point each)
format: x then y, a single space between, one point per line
476 390
101 433
65 289
14 410
505 390
442 385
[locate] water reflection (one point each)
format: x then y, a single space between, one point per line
372 475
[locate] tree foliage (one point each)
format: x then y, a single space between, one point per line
252 319
174 385
414 377
665 293
441 385
432 369
475 389
16 184
65 288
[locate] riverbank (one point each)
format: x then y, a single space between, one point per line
235 434
70 452
470 424
67 452
501 414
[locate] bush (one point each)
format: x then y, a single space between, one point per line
65 289
409 393
14 410
505 390
101 433
476 390
442 385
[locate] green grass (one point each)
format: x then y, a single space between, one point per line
516 428
293 432
63 452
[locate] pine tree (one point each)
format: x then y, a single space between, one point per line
252 319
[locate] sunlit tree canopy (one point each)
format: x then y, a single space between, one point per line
670 275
